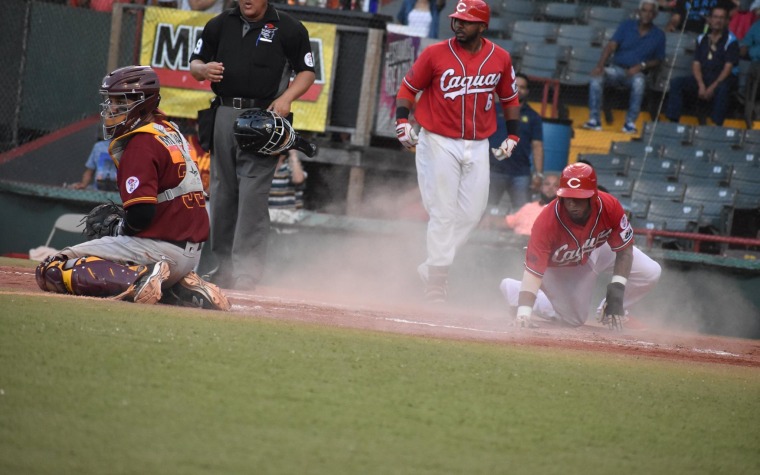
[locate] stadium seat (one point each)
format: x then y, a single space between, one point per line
638 208
635 148
713 136
538 67
686 153
498 27
741 157
547 51
653 189
606 163
751 137
682 217
745 179
605 17
717 205
704 173
68 222
653 167
557 12
620 186
579 35
669 130
515 9
527 31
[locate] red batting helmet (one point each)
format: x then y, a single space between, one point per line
130 94
472 10
577 181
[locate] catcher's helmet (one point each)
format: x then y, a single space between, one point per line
129 95
262 131
472 10
577 181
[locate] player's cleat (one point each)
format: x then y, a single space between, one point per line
435 293
192 291
148 287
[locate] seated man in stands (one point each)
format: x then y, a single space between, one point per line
713 78
637 47
522 220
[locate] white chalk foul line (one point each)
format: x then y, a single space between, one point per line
436 325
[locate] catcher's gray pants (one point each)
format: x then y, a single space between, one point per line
129 250
567 291
240 184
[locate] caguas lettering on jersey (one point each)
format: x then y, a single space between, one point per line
454 85
565 255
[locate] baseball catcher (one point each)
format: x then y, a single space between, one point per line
578 236
266 132
144 250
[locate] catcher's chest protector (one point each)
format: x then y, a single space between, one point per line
91 276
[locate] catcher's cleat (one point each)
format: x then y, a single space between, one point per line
192 291
148 288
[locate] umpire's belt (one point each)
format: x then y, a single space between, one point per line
244 102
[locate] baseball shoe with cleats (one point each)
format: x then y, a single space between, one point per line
148 287
192 291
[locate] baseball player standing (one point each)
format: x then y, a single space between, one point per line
582 233
459 80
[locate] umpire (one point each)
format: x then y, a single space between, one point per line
248 53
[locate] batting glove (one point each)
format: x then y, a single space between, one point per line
506 148
613 312
406 134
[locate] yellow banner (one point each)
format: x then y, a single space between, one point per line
168 39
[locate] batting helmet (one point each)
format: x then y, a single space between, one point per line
577 181
130 94
472 10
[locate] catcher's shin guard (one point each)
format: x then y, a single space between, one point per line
90 276
192 291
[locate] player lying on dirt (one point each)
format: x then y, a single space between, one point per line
146 251
581 234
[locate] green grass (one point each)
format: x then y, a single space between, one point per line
90 386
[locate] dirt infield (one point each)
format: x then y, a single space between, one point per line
461 324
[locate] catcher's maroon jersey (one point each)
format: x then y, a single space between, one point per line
556 241
152 163
458 98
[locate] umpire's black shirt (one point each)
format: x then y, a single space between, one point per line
257 56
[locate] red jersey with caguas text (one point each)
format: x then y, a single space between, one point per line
556 241
459 88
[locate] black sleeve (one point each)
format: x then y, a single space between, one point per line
206 47
138 217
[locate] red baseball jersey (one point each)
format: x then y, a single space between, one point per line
152 163
458 88
556 241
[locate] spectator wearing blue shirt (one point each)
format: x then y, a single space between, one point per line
426 12
636 47
513 174
100 171
713 78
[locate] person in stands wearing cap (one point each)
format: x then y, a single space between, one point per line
566 253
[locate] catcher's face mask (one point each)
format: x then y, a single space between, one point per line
264 132
120 113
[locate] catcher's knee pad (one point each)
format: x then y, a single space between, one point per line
192 291
90 276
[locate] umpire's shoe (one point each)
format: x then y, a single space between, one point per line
192 291
148 287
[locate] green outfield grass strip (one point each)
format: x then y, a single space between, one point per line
96 387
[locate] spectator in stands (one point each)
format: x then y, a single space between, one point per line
286 194
421 16
694 13
743 19
750 44
636 47
713 78
205 6
513 175
522 220
99 170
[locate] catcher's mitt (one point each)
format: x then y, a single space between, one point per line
104 220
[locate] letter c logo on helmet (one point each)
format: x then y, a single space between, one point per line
472 10
577 181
